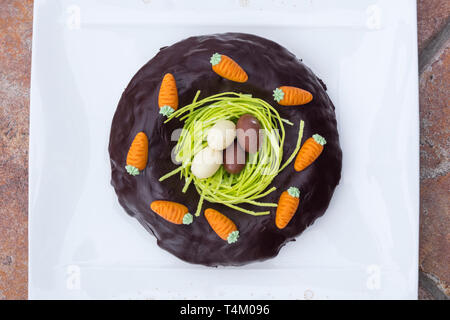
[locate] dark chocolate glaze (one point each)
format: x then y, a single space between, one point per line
268 66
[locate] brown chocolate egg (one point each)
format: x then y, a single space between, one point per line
248 133
234 158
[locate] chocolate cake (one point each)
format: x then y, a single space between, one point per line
268 67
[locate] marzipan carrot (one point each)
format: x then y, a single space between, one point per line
168 95
287 206
227 68
309 152
172 211
291 96
223 226
137 154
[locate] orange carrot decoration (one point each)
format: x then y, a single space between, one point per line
309 152
227 68
291 96
137 155
287 206
223 226
168 95
172 211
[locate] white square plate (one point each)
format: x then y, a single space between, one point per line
83 244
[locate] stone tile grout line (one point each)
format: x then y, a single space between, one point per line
430 284
434 45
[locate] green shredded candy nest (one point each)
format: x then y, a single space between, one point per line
233 237
262 167
132 170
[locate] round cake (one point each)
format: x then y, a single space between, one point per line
222 215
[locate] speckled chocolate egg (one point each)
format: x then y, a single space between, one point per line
234 158
248 133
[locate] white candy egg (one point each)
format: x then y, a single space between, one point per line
206 163
221 135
